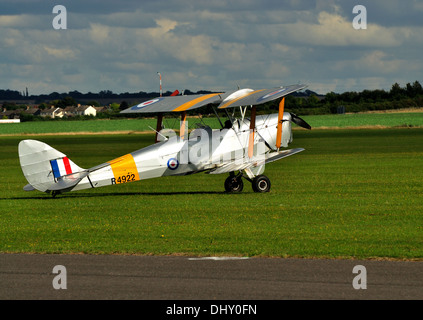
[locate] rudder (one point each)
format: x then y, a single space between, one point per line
47 169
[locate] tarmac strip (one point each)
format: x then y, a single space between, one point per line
126 277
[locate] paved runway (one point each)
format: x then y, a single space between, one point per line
30 276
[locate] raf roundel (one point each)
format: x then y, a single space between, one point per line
146 103
172 164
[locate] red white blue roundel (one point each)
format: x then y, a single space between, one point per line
146 103
172 164
271 94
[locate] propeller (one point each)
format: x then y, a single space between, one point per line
298 121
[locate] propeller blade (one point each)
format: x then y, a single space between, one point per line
298 121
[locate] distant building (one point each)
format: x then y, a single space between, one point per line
10 114
86 111
69 111
53 112
32 110
15 114
80 111
101 109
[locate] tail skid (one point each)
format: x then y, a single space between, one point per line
47 169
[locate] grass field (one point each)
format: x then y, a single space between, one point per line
351 194
142 125
366 120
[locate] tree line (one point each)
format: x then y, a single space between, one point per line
410 96
302 103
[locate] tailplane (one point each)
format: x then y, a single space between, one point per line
47 169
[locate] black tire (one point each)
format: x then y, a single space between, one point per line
234 184
261 184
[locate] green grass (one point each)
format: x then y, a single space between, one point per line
38 127
351 194
366 119
139 125
342 121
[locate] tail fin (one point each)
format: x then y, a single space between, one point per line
47 169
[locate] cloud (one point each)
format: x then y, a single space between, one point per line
335 30
25 21
213 45
371 63
61 54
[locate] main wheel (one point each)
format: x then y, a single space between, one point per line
234 184
261 183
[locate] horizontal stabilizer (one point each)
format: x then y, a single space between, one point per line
68 181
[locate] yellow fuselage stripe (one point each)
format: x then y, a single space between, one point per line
191 103
124 169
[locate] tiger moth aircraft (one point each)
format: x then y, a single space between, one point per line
241 148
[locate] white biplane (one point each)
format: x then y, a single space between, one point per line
240 148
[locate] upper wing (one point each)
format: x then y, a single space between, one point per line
243 97
175 104
255 97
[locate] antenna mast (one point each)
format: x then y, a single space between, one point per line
160 76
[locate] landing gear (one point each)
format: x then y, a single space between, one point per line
54 193
234 183
261 183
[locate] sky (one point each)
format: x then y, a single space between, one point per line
208 45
